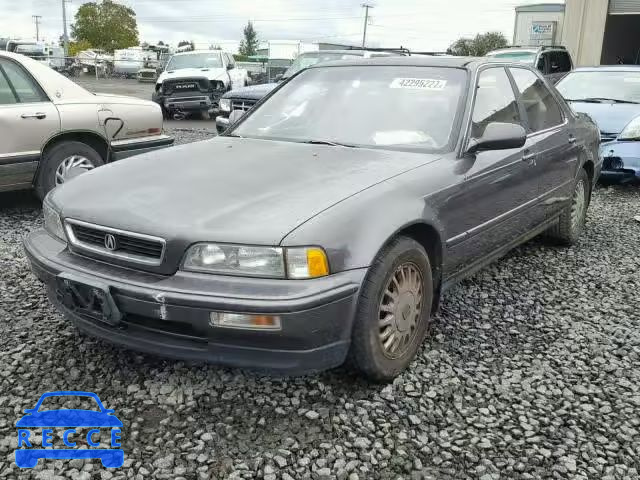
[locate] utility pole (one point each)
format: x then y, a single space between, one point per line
37 18
366 7
65 36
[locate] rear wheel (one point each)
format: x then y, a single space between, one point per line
63 162
573 218
393 311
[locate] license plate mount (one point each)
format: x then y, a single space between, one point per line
88 298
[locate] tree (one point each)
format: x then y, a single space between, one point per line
77 47
182 43
161 43
249 44
479 46
106 25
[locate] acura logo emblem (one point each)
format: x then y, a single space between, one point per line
110 242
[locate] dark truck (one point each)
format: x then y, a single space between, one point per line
245 98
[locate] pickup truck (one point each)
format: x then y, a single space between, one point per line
193 82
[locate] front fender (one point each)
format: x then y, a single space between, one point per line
353 231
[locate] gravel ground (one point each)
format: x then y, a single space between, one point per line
532 371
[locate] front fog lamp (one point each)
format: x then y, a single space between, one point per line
225 104
631 131
245 321
52 222
307 262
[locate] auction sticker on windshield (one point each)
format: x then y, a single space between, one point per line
419 83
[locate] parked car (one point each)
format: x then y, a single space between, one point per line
53 130
301 237
194 81
553 61
610 95
245 98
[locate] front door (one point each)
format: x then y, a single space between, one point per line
27 120
490 208
557 146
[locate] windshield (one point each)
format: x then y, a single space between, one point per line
520 57
603 85
306 60
195 60
410 108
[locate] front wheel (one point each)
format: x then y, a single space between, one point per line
393 311
574 216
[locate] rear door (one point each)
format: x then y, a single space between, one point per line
556 145
27 120
492 207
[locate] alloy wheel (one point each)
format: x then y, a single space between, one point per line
399 311
578 206
71 167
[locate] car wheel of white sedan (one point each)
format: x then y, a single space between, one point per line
393 310
63 162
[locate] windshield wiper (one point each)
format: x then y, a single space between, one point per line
600 100
326 142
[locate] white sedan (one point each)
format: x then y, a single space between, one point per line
52 130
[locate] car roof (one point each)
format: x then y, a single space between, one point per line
468 63
514 49
192 52
609 68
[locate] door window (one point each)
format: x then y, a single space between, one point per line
495 101
559 62
542 109
24 86
541 65
6 94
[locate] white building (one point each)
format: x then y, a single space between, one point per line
539 24
595 31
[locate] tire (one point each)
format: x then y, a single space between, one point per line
367 353
53 159
573 218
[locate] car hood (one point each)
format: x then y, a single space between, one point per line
611 118
227 189
69 418
254 92
209 73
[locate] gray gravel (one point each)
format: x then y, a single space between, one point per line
532 370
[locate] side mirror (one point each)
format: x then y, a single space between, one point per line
235 115
230 66
498 136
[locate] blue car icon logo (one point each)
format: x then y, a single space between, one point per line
27 454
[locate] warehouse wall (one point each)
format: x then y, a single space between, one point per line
522 31
583 32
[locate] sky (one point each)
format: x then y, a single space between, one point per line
421 25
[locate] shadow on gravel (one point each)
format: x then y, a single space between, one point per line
19 200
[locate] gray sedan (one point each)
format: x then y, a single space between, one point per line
327 223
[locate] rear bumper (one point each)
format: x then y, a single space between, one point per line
169 316
127 148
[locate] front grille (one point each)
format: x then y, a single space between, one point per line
607 137
243 105
178 85
115 243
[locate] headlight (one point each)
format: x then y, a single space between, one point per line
255 261
225 104
631 131
52 222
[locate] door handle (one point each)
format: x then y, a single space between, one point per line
529 158
38 115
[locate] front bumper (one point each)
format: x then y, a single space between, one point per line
189 101
169 315
127 148
621 161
